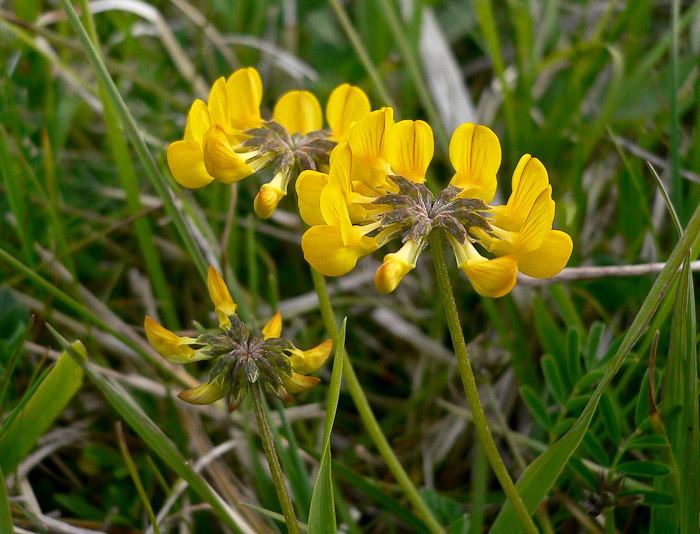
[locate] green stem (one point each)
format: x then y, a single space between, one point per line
483 432
362 53
365 411
273 460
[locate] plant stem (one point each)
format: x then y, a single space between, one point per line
483 432
365 411
272 459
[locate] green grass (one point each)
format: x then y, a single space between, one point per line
602 420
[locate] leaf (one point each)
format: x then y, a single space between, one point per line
5 512
592 344
611 417
40 411
553 377
651 498
138 420
322 511
641 468
536 407
646 442
543 472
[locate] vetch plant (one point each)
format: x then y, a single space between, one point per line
245 361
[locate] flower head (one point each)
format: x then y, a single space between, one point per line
374 192
227 139
241 356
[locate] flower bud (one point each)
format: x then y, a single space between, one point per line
270 195
396 266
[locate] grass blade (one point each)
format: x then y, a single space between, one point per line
541 474
151 169
134 473
41 410
5 512
322 512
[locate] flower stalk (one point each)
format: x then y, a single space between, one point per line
483 431
365 411
268 444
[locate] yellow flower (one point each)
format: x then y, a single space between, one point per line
227 139
373 193
214 132
241 356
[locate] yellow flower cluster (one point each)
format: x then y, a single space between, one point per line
227 139
360 183
373 193
242 356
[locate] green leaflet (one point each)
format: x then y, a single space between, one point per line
322 512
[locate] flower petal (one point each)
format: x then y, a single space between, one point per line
529 180
309 185
491 278
169 345
221 297
244 94
475 153
409 149
324 249
297 383
550 258
186 163
308 361
273 328
538 223
346 105
220 159
198 122
206 393
299 112
367 141
217 103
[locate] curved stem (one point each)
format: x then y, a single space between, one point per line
483 432
272 459
365 411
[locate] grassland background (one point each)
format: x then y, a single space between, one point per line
594 89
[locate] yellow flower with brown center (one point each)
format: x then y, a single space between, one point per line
374 192
242 356
226 139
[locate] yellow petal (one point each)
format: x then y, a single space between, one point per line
538 223
169 345
267 200
346 105
409 149
220 159
550 258
334 208
475 153
367 141
198 122
273 328
297 383
308 361
324 249
299 112
309 185
206 393
221 297
491 278
244 94
529 180
217 103
186 163
396 266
